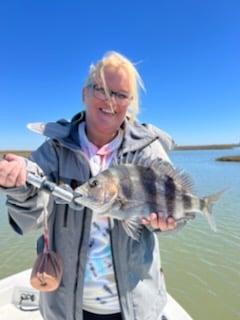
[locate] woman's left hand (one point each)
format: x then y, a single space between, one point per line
157 221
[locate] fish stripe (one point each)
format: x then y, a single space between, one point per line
170 195
140 179
202 204
187 201
126 183
148 177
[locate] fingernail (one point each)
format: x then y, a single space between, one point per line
160 215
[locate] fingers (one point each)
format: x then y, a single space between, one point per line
158 221
21 175
12 171
10 157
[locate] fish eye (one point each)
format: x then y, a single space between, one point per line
93 183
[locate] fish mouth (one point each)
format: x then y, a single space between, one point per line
82 200
79 197
100 207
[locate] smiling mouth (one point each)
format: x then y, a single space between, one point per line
108 111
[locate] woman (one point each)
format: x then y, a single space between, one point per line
106 274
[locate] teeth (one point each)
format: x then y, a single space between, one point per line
108 111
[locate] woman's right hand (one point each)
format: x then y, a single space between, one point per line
12 171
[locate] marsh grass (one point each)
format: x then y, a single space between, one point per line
229 158
22 153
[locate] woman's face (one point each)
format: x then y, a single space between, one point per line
105 116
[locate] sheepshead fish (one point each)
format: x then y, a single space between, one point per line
131 191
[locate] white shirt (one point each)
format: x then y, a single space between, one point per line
100 292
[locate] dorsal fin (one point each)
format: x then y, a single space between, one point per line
135 158
160 166
130 158
179 177
185 180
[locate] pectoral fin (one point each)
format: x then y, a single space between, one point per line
133 227
126 204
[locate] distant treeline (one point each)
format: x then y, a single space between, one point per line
208 147
235 158
25 153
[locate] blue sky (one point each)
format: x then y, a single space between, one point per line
188 54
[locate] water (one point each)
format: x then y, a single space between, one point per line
201 267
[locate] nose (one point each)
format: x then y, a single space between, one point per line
111 101
111 97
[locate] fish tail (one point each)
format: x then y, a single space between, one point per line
208 204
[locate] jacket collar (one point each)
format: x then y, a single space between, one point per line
136 135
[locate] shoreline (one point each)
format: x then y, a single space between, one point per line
23 153
208 147
26 153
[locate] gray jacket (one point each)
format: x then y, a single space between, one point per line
137 265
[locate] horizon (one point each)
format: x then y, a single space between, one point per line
186 53
200 146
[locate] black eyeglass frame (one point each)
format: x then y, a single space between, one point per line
119 96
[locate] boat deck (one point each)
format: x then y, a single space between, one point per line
10 311
19 301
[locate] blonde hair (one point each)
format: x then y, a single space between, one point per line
115 59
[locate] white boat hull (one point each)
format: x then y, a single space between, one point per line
19 301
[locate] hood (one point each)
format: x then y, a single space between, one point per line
56 130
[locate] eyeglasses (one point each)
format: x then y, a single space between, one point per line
121 98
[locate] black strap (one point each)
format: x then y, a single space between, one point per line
91 316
